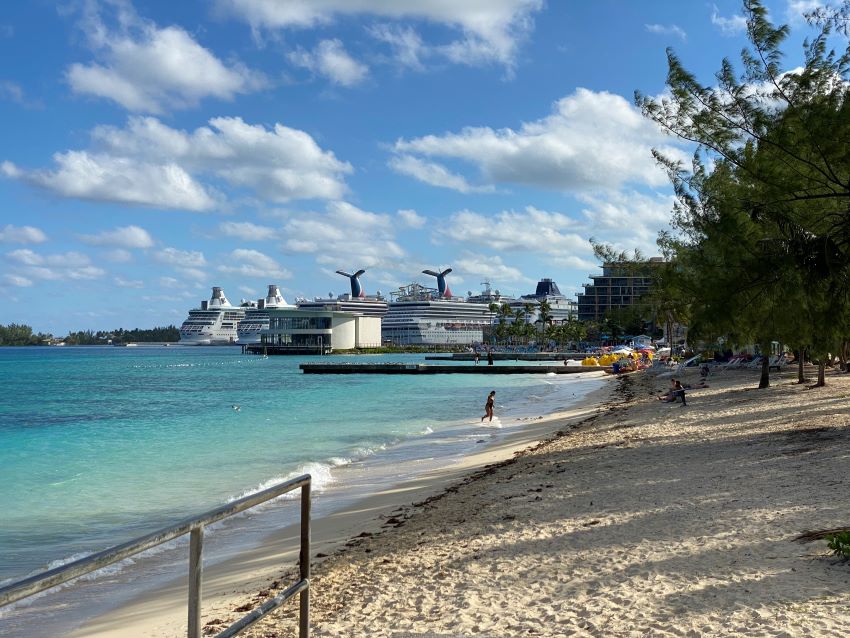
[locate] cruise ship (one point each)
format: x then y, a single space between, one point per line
257 315
419 315
560 308
355 301
214 323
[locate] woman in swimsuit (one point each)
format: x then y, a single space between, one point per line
488 407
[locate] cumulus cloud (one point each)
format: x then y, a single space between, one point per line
119 255
149 163
490 30
628 219
247 231
331 60
730 26
797 9
411 218
180 258
22 235
434 174
17 280
667 29
31 266
123 237
528 230
149 69
590 141
344 236
488 268
129 283
253 263
406 44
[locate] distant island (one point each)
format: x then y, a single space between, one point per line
22 335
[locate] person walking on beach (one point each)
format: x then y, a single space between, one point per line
475 357
488 407
489 357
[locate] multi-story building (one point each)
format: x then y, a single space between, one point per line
619 286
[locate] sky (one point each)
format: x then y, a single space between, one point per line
151 149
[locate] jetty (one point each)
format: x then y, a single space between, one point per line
425 368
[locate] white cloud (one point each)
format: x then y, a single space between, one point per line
146 68
411 218
591 141
248 231
119 255
22 235
17 280
529 230
490 29
627 219
797 9
488 268
129 283
406 44
331 60
730 26
169 282
180 258
434 174
345 237
149 163
253 263
57 267
124 237
667 29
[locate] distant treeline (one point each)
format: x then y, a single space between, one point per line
89 338
22 335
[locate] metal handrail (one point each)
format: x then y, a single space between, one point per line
193 526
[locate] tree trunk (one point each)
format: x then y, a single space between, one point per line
764 382
821 379
800 377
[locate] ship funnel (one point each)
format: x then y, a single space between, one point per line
356 287
442 286
274 298
218 300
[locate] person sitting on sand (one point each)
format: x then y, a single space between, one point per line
488 407
669 395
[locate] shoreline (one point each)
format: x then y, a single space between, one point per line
162 612
653 520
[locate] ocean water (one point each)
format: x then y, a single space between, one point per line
100 445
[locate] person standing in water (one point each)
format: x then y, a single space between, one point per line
488 407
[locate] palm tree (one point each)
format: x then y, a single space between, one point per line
544 317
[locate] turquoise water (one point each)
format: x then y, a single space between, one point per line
100 445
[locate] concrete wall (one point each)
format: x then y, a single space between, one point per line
368 332
344 332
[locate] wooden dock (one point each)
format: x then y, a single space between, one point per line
424 368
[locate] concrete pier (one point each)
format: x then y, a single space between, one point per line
424 368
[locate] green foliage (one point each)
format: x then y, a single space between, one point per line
839 543
120 335
762 248
20 335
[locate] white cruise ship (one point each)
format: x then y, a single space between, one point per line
257 315
419 315
213 324
355 301
560 308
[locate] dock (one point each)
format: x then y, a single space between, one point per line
425 368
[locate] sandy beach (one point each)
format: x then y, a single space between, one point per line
634 517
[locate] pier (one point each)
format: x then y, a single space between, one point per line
425 368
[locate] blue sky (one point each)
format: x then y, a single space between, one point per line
154 149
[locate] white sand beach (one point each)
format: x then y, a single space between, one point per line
638 518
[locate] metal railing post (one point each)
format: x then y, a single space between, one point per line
304 563
196 548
